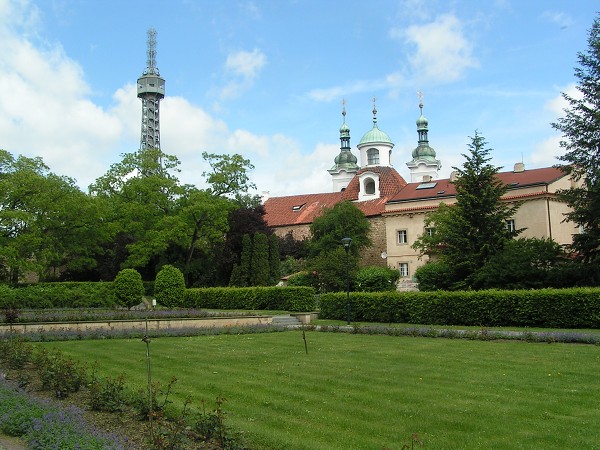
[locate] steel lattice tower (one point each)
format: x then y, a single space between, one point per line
151 90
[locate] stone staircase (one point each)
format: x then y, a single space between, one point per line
285 321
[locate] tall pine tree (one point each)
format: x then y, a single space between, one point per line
469 232
581 140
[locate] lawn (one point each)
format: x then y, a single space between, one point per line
373 391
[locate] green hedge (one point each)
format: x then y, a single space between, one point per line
553 308
260 298
59 295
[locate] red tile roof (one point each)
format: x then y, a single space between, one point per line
302 209
445 188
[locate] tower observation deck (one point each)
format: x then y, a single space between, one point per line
151 90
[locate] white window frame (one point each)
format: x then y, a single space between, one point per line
402 237
403 268
430 231
510 225
372 157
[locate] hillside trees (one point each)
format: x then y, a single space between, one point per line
580 127
46 222
468 233
157 220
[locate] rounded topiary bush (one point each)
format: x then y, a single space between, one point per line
376 279
169 287
129 288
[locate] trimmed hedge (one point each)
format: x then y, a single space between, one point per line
59 295
552 308
260 298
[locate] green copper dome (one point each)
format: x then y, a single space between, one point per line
346 159
422 122
424 151
375 135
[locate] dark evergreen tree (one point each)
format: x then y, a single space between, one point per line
274 259
260 273
243 220
241 274
581 140
471 231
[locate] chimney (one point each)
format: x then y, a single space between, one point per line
519 167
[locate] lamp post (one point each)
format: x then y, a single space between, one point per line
346 241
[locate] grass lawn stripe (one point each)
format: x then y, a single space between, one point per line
361 391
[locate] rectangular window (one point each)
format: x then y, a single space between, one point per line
403 268
402 237
510 225
429 231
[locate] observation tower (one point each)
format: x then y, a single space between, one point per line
151 90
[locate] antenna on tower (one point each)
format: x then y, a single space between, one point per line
151 53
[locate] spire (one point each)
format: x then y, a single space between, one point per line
344 166
344 130
422 122
374 114
424 162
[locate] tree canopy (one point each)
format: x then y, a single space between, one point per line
467 234
581 140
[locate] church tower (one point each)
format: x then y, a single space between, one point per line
375 149
345 166
151 90
424 166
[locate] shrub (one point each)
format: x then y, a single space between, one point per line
16 353
552 308
169 287
59 374
376 279
107 394
266 298
129 288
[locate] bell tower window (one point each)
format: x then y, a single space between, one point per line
372 156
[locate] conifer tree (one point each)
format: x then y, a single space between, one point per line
240 276
260 270
469 232
581 140
274 258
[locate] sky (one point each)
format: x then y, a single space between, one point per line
266 79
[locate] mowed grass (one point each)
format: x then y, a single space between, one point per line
372 391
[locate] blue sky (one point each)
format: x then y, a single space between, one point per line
266 79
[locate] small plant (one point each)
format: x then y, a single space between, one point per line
210 427
107 394
16 353
58 373
160 398
414 439
171 433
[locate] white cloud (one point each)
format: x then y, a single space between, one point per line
559 18
442 53
354 87
243 68
246 64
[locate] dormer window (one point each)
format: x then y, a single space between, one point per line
369 186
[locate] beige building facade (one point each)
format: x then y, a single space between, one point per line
397 209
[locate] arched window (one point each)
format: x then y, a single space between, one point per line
369 186
372 156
